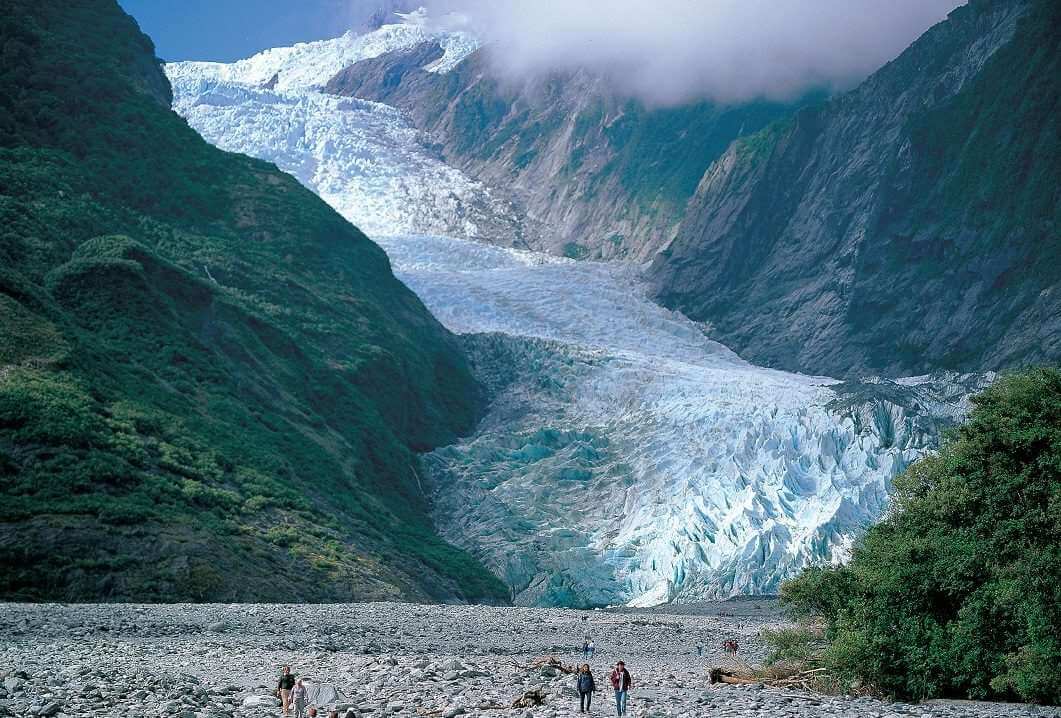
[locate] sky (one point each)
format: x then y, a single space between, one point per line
662 51
226 30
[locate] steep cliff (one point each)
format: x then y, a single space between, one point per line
211 385
596 174
908 225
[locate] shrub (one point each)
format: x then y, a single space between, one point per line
958 591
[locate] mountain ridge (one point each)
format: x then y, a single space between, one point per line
211 385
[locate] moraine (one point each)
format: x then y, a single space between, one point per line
626 458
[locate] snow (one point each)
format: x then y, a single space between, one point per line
626 457
363 158
309 65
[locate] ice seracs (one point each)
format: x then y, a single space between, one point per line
627 458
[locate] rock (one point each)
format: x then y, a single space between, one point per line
260 702
452 712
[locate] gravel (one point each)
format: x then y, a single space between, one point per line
388 659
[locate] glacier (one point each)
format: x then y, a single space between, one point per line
625 457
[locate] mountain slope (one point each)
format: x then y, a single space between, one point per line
211 385
907 226
597 174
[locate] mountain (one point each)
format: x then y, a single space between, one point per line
907 226
624 456
212 387
595 174
362 157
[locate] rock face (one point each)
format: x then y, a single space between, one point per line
907 226
211 385
595 174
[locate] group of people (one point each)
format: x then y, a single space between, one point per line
621 682
293 694
588 648
730 646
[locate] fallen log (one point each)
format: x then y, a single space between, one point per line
720 675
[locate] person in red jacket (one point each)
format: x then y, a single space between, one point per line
621 682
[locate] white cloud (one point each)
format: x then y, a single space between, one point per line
668 51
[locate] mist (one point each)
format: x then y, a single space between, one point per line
671 51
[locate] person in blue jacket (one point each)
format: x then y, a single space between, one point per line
585 686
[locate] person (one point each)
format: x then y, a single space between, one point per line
585 686
592 648
585 648
699 649
299 698
621 682
284 686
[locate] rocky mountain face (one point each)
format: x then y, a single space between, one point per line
211 385
596 174
906 226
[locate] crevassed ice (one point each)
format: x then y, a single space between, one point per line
362 157
633 460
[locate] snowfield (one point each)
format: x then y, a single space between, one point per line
626 457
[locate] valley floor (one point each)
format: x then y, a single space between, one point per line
221 661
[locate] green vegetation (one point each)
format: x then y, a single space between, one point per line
958 591
798 644
211 385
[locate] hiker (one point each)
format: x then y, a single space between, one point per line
299 699
585 686
283 688
736 646
700 649
585 649
592 648
621 682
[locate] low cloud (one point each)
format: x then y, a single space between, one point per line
670 51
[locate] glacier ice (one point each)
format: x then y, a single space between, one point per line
309 65
362 157
625 456
628 458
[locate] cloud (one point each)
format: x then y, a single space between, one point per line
669 51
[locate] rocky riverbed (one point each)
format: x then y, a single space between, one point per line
386 659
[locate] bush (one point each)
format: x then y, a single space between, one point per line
958 591
798 644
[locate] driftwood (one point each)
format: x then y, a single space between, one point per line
737 672
552 662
